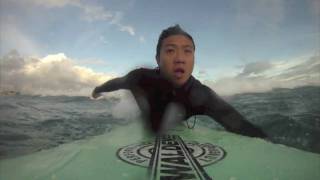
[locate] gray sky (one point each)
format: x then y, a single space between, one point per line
65 46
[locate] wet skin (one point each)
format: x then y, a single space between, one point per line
176 59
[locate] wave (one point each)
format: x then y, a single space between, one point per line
31 123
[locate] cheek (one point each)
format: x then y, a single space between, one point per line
166 64
191 65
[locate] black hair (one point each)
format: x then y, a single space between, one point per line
170 31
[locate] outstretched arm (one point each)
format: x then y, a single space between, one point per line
112 85
124 82
230 118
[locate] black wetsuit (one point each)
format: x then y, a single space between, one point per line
153 93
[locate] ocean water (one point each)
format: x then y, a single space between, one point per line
32 123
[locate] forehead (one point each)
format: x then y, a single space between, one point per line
177 40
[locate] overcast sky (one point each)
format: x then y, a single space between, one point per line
241 45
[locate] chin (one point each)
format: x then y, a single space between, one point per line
179 83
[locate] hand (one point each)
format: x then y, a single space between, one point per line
95 95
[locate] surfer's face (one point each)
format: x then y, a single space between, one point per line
176 59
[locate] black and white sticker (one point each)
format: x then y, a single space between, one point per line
169 157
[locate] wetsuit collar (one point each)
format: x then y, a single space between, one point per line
186 86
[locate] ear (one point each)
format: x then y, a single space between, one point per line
158 60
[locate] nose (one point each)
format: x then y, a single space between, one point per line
179 58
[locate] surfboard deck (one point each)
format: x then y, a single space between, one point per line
127 152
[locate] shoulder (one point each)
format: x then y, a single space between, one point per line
200 94
139 75
198 88
141 72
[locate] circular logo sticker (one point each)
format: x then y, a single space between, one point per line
140 153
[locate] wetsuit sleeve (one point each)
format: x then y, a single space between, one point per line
228 117
125 82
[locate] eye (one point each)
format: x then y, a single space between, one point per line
169 51
188 51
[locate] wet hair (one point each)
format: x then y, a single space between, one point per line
170 31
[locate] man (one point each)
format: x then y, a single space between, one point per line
171 87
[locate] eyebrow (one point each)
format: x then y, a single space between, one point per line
174 45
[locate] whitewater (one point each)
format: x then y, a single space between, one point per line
30 123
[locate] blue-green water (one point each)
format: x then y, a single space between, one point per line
32 123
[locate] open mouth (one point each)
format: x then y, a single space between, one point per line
178 72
